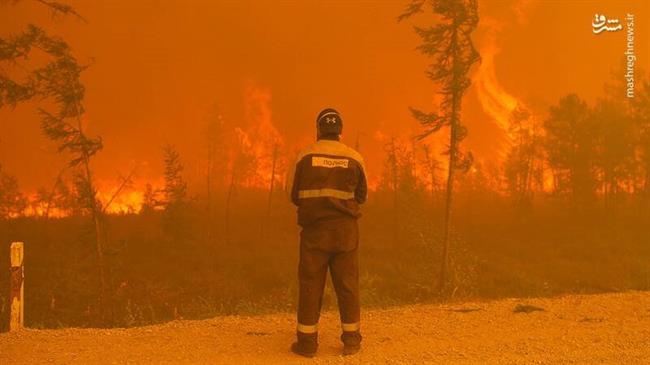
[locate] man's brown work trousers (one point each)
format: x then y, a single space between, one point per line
329 244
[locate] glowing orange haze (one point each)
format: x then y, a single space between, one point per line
158 67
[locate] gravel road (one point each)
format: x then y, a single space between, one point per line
580 329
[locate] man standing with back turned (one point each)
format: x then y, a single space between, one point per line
328 186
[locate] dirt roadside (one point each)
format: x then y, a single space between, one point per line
581 329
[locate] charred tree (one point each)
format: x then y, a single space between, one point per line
213 136
431 166
524 162
393 169
175 189
241 164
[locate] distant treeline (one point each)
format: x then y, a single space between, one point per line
164 265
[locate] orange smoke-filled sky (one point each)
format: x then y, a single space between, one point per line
158 67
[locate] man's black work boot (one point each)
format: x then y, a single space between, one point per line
351 342
306 345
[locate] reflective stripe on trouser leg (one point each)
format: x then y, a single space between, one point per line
303 328
350 327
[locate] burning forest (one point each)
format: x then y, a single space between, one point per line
147 154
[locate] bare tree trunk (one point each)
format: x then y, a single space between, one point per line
393 158
646 183
431 166
267 216
527 186
414 165
227 216
97 220
46 215
99 238
433 186
444 265
646 191
208 182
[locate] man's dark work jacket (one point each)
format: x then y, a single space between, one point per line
329 182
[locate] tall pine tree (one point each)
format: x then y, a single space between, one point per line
449 44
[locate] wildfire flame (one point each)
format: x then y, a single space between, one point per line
495 100
261 140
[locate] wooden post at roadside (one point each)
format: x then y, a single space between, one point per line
16 298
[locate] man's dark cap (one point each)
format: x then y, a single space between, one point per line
329 122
